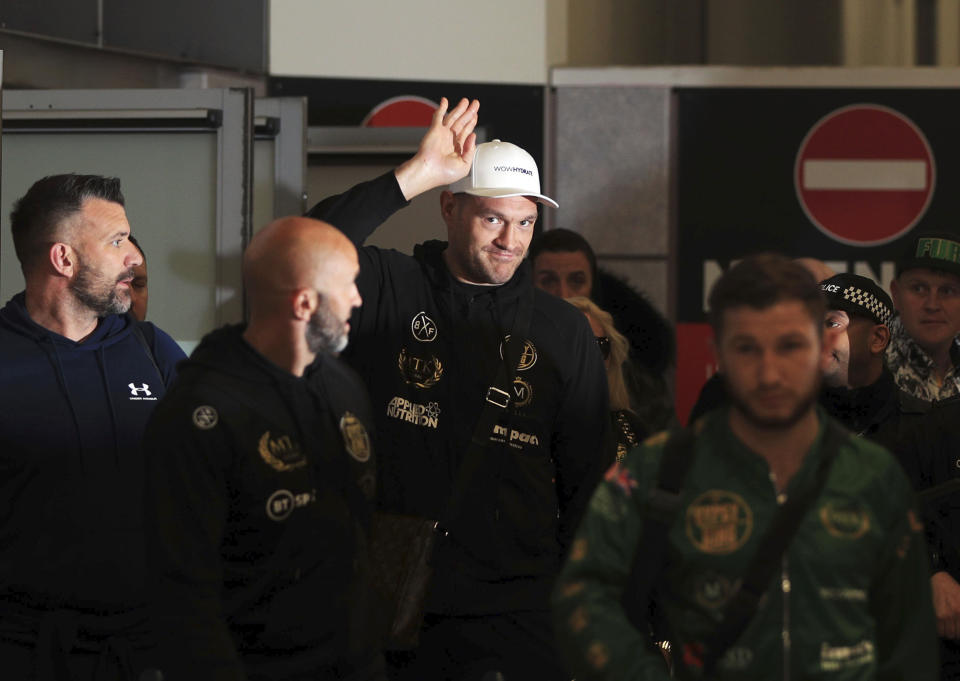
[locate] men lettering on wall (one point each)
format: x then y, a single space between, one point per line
432 334
848 597
924 352
261 478
79 380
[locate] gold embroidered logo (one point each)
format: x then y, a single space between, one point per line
844 521
522 392
355 437
423 373
282 453
528 355
719 522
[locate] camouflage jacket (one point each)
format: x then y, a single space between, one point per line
851 601
913 368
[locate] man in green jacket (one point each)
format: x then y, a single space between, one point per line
849 597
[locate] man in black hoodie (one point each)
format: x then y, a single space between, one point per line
261 479
430 342
78 380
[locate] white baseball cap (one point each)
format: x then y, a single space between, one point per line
499 170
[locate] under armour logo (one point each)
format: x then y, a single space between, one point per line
134 390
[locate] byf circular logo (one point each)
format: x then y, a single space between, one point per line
423 328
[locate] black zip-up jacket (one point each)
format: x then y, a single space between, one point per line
880 412
259 491
428 347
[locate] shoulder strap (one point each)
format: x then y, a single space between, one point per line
743 604
663 502
494 406
138 334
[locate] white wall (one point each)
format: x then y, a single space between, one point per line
491 41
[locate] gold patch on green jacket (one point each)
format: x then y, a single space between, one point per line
915 524
569 589
844 521
719 521
598 655
657 439
579 619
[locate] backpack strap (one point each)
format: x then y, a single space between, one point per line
663 503
742 606
142 339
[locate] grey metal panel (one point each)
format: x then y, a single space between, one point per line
76 20
264 185
611 167
419 222
229 33
176 182
289 147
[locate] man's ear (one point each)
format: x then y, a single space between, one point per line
895 294
879 339
304 303
829 337
63 259
448 206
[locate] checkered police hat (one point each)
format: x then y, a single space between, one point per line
858 296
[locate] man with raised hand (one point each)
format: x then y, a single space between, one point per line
430 341
787 547
79 378
261 479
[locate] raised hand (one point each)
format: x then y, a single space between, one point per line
946 604
446 150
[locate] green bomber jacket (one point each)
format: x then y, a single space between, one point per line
851 600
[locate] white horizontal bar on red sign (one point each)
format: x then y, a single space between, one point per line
877 175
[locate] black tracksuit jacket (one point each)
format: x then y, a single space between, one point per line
428 347
259 488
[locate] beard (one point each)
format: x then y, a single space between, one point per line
324 332
804 403
95 291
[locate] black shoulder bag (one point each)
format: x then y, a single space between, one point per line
402 546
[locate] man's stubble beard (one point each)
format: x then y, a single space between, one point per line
804 405
324 332
92 290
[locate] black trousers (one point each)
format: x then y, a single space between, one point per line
502 647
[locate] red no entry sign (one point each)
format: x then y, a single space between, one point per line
864 174
400 112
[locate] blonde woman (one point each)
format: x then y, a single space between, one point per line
627 428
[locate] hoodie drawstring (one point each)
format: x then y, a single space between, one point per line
54 356
102 364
